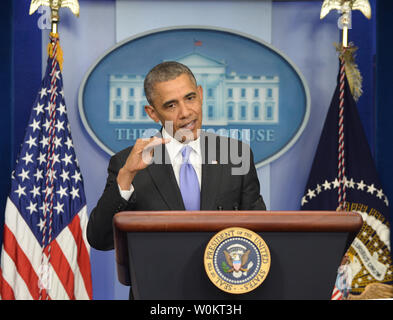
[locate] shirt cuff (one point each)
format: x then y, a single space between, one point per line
126 194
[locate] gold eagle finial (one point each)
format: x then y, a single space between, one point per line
55 6
73 5
341 5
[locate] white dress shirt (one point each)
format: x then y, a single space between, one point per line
174 148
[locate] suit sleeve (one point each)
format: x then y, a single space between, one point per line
99 227
251 198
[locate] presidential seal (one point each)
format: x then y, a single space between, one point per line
237 260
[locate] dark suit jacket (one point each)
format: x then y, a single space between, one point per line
156 188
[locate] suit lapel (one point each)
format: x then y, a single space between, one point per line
211 171
164 179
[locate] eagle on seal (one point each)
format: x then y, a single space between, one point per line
236 261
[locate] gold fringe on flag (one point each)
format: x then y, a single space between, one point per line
351 69
59 51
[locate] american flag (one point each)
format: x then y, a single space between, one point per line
45 254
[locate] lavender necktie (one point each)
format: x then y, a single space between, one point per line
188 180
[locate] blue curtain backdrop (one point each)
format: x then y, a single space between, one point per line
384 97
20 78
6 77
363 36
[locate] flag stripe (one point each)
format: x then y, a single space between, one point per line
85 264
6 292
337 295
66 242
62 268
12 276
26 240
83 256
22 263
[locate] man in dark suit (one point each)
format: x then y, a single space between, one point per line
182 167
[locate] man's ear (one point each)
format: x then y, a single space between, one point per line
200 91
151 112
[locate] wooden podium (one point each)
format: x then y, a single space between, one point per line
161 254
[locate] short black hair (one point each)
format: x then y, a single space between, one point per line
164 71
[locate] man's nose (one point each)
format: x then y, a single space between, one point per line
184 110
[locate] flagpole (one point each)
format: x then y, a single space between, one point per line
55 20
345 8
344 23
345 37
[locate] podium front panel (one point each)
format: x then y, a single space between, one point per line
170 266
161 254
